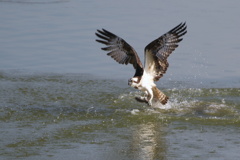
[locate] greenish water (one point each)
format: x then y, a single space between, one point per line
79 116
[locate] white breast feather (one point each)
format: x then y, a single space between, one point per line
147 81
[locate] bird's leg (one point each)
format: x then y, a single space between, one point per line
143 98
145 95
150 96
147 98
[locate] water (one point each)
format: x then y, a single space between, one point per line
78 116
62 98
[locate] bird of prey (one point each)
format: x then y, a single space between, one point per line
155 64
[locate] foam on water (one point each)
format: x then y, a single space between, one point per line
199 102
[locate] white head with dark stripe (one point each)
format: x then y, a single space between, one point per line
134 82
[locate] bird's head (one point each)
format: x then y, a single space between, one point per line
134 82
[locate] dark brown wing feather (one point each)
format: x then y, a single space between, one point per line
159 49
120 50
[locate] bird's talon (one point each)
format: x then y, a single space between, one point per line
149 103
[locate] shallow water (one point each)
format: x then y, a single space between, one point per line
79 116
63 98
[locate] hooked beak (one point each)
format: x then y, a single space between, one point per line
129 82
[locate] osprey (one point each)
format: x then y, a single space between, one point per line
155 65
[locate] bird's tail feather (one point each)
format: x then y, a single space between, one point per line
157 94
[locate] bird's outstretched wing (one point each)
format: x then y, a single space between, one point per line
120 50
157 52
